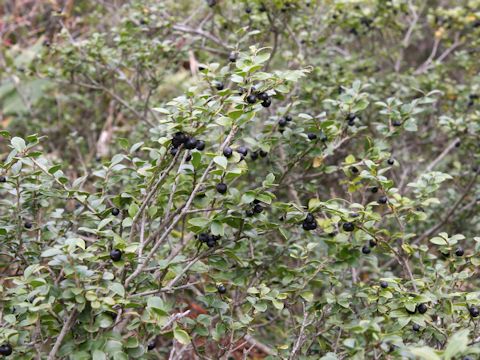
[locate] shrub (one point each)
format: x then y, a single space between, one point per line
271 179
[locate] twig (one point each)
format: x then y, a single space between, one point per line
65 329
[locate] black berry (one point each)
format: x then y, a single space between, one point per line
474 312
383 284
288 118
232 57
422 308
115 255
191 143
282 122
397 123
6 349
263 96
249 213
350 117
374 189
354 170
178 139
310 218
263 153
3 179
248 10
390 161
221 289
173 151
200 145
227 151
203 237
211 3
221 188
267 103
312 136
151 345
366 249
211 242
219 85
257 209
382 199
416 327
189 157
372 243
459 251
251 99
242 150
28 225
115 211
348 226
254 155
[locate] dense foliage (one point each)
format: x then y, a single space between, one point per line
230 179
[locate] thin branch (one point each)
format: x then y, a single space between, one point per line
65 329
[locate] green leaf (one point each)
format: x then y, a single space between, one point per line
181 336
18 144
457 344
221 161
425 353
118 289
98 355
51 252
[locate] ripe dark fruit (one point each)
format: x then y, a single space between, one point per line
3 179
242 150
211 3
257 209
474 312
267 103
254 155
115 255
374 189
282 122
390 161
178 139
372 243
383 284
312 136
151 345
200 145
323 137
422 308
459 251
115 211
28 225
251 99
263 96
416 327
397 123
227 151
263 154
211 242
221 289
366 249
348 226
219 85
351 122
221 188
191 143
232 57
189 157
173 151
203 237
354 170
6 349
249 213
310 218
351 117
308 226
382 200
248 10
288 118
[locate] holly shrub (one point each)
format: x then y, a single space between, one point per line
227 179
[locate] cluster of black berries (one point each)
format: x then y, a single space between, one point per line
257 208
188 142
209 239
6 350
252 98
243 151
367 249
282 123
421 308
309 223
